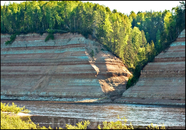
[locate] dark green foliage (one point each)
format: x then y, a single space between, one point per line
136 73
8 42
51 31
50 36
12 38
92 53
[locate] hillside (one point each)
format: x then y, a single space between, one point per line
135 39
70 66
73 66
164 78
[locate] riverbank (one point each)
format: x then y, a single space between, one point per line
20 114
122 100
137 101
57 113
147 101
54 122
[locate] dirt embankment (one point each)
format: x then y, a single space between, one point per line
163 80
72 68
69 66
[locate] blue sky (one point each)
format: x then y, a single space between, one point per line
128 6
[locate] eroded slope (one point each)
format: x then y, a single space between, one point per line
164 78
64 68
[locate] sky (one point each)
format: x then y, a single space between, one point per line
127 6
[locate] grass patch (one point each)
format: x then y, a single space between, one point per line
120 124
80 125
13 108
14 122
116 125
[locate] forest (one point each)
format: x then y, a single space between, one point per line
136 38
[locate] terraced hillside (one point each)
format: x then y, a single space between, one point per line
68 67
164 78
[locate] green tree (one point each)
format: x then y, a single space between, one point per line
107 28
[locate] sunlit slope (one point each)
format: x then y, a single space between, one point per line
164 78
63 68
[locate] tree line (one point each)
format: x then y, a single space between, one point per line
136 39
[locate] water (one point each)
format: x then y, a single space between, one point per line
56 113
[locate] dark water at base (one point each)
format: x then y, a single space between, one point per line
58 114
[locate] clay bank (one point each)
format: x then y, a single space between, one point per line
75 69
163 80
68 68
